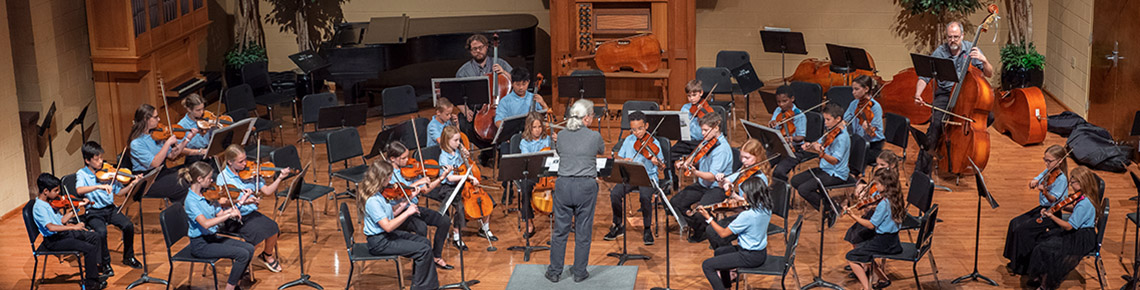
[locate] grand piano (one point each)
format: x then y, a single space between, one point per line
366 57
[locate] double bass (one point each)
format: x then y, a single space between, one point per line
1021 114
897 96
965 139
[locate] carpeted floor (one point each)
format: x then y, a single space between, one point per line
531 276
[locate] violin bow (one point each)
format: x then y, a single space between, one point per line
416 134
119 165
230 195
824 102
704 99
165 105
71 202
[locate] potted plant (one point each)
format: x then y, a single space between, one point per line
238 57
1022 66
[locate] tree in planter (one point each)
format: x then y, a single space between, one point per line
1022 65
311 20
924 21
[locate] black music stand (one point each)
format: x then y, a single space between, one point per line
783 42
79 122
665 124
237 134
573 87
633 174
773 140
352 115
681 228
463 282
44 126
518 167
399 132
937 68
983 192
466 91
310 64
136 195
293 194
852 58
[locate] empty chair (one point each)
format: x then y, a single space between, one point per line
841 96
807 94
721 78
344 145
895 128
287 157
256 75
398 101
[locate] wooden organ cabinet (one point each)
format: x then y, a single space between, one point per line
578 26
133 43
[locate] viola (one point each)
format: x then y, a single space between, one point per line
696 156
163 132
265 170
108 173
965 139
62 202
211 121
1072 199
485 127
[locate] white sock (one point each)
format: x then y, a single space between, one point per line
486 227
455 236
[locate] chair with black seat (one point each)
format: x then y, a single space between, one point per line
397 101
841 95
344 145
895 129
1130 217
287 157
256 75
920 195
311 106
778 265
856 163
722 79
1098 263
781 193
913 252
37 252
724 121
731 59
358 252
633 106
807 94
175 225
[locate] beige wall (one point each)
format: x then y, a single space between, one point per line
1067 57
13 194
49 49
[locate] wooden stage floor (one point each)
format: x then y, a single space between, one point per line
1010 167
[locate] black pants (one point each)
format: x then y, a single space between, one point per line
89 243
810 190
1023 234
410 246
941 100
99 218
727 258
715 241
696 194
784 165
440 194
526 192
418 224
873 151
682 148
167 185
254 227
574 201
617 203
213 246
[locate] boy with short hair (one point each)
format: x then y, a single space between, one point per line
102 211
74 237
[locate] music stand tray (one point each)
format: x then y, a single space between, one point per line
934 67
308 61
586 86
463 91
666 124
849 57
772 139
783 41
351 115
524 166
510 126
238 133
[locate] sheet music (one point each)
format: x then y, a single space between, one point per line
685 119
551 163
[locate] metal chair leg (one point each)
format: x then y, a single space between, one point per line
189 279
399 274
215 268
36 268
1099 264
169 274
914 269
351 269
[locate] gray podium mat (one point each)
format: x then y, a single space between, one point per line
531 276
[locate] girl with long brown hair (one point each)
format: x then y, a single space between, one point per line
1024 231
888 214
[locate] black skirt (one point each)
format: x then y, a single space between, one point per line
254 227
880 244
1059 253
857 233
1023 234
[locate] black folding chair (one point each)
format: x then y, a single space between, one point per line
631 106
1098 263
344 145
778 265
358 252
781 200
722 78
913 252
398 101
175 225
256 75
841 95
37 252
287 157
896 127
311 106
807 94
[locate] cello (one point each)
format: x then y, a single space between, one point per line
1021 114
965 138
485 127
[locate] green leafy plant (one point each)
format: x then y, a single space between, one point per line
252 53
1022 55
940 7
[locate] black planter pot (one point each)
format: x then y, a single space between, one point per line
1021 78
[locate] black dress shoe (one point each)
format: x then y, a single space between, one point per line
132 262
444 267
488 235
459 244
580 278
552 277
881 284
647 237
97 286
106 271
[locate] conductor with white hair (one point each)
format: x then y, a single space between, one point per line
575 191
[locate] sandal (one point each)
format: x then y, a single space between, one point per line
272 266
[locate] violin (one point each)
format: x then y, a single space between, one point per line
108 173
163 132
394 192
211 121
724 205
646 147
696 156
430 168
1072 199
702 107
266 170
831 135
865 115
62 202
745 173
216 193
864 202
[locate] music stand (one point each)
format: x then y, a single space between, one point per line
352 115
633 174
681 227
44 126
773 140
666 124
79 122
937 68
463 282
510 126
397 132
850 58
293 193
983 192
466 91
783 42
238 134
310 64
584 87
518 167
136 194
